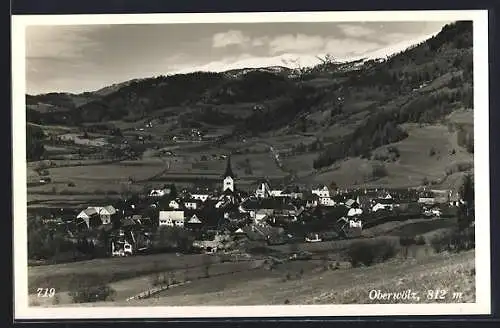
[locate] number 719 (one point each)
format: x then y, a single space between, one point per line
46 292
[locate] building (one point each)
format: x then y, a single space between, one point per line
194 222
171 219
263 190
192 204
174 204
383 204
321 191
427 200
159 192
228 178
200 197
96 212
324 195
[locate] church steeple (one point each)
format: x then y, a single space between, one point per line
228 178
229 171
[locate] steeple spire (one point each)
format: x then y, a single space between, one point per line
229 171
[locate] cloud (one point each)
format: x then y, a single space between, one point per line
351 30
249 61
232 37
56 42
296 43
259 42
317 45
346 48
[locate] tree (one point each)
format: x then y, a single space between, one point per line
34 143
173 191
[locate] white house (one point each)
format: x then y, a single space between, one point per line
263 191
383 204
355 224
426 200
321 191
324 195
103 213
276 193
200 197
194 220
354 212
174 204
326 201
171 218
191 204
159 192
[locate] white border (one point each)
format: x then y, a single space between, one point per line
481 166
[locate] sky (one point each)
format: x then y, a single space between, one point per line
78 58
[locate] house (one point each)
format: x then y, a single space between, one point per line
96 212
192 204
194 222
383 204
276 193
354 212
426 200
384 194
324 195
171 218
200 197
351 203
263 190
174 204
321 191
159 192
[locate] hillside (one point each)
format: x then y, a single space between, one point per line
316 118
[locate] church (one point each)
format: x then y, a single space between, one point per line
228 195
228 178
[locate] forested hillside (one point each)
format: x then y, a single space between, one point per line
368 99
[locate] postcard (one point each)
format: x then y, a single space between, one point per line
251 164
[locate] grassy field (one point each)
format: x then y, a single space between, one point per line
261 286
414 165
107 270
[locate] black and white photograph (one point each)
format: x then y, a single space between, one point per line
253 164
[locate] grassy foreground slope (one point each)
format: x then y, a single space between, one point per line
450 272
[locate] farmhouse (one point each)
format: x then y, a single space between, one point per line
174 204
96 212
383 204
171 218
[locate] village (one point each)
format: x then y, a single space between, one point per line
218 220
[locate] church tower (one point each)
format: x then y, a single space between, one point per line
228 182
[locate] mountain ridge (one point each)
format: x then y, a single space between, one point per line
335 109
